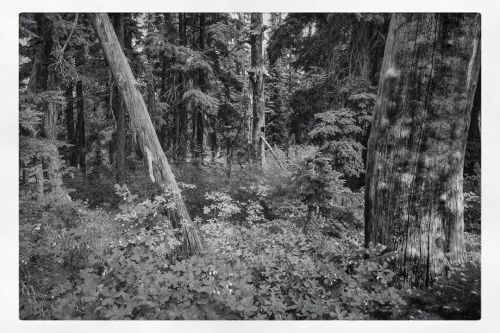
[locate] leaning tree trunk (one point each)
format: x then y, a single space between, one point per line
414 199
151 93
118 109
257 79
159 169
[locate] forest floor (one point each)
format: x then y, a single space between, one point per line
104 255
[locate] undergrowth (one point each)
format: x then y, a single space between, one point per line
284 246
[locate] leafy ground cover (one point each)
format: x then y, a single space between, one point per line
286 246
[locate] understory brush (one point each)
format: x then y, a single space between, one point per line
87 263
57 239
287 246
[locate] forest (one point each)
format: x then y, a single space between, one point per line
241 166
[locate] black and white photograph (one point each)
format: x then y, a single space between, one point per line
209 165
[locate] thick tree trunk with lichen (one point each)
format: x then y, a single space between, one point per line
49 131
159 168
257 79
42 79
414 199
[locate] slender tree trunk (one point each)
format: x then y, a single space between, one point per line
163 86
194 146
182 115
166 135
365 29
80 128
163 89
159 169
80 120
257 79
119 109
414 199
70 124
200 117
213 139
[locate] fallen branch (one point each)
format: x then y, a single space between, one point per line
272 152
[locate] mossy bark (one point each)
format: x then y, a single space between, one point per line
414 199
43 79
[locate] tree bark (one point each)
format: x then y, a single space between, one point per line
160 172
257 79
41 80
70 124
475 125
414 199
49 131
151 94
80 120
118 109
182 128
40 74
200 117
49 124
364 32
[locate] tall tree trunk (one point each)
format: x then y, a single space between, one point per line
40 73
49 124
41 80
165 134
364 31
414 199
200 117
80 119
70 124
119 109
257 79
182 115
159 169
163 89
49 131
